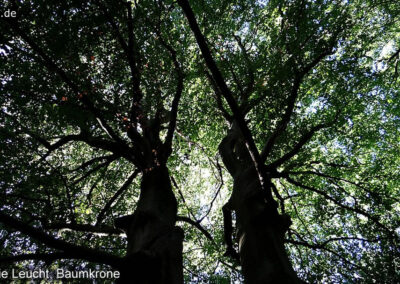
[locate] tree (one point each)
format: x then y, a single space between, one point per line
260 228
106 129
101 121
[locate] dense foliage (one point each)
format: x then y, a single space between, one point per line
67 85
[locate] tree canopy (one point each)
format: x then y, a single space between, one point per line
97 95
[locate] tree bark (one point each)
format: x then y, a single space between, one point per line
260 229
154 253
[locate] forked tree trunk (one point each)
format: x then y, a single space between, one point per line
154 253
260 234
260 229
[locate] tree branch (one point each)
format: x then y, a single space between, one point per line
83 228
215 195
218 98
196 225
178 93
226 92
51 66
298 77
91 161
250 69
129 51
120 191
76 251
46 257
61 142
108 161
296 149
228 230
281 127
317 247
328 197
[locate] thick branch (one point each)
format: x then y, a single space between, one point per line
79 252
61 142
335 239
47 257
296 149
119 150
128 48
178 93
114 147
228 231
53 67
213 200
290 103
84 228
284 121
183 197
95 169
91 161
196 225
396 54
226 92
250 69
317 247
218 97
120 191
24 197
328 197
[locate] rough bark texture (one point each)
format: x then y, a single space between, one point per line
154 253
260 229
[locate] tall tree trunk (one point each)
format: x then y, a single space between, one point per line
154 253
260 229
